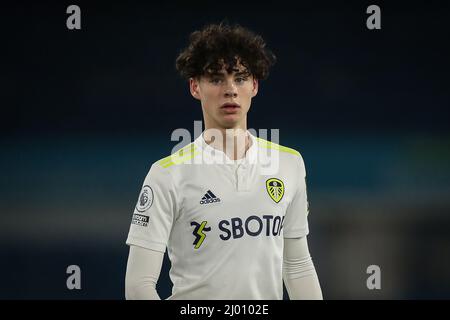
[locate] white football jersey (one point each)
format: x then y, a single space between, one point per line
223 224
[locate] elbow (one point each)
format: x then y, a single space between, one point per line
140 288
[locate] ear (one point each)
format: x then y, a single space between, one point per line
255 87
194 87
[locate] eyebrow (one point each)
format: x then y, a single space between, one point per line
242 73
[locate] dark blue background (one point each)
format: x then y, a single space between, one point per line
85 113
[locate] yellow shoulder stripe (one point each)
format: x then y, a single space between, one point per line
182 155
270 145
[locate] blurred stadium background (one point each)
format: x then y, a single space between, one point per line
85 113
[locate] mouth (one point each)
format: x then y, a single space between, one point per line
230 107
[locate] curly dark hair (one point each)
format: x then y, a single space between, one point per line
221 45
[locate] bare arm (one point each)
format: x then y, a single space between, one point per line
143 269
299 273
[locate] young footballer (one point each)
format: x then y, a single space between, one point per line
233 229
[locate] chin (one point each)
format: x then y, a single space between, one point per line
229 123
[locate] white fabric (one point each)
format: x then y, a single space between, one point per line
239 255
299 273
143 269
300 278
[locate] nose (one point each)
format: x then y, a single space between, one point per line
230 90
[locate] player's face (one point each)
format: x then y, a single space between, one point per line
225 97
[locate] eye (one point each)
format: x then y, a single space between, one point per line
241 79
215 80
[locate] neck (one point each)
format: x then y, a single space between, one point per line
233 142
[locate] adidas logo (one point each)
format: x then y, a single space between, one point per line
209 197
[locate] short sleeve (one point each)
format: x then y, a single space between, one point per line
295 223
155 210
